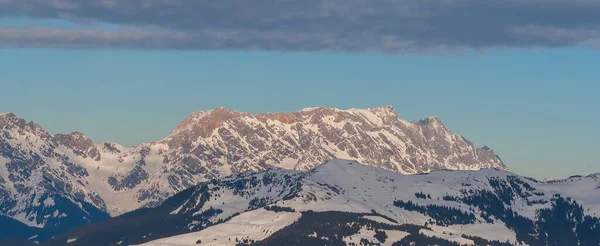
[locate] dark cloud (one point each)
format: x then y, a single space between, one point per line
307 25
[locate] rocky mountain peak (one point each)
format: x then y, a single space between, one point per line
201 124
11 121
431 120
80 144
282 117
7 114
74 135
432 126
112 147
384 111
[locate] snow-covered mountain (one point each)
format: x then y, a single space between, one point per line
39 170
39 186
343 202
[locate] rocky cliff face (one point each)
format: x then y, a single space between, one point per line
213 144
301 140
39 185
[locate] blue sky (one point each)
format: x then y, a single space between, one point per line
537 108
520 76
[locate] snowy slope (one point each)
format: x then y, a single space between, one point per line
256 225
458 204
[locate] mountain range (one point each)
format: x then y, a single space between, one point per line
52 183
343 202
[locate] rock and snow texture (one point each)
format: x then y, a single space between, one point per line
212 144
348 186
39 185
241 141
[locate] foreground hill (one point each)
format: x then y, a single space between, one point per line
343 202
58 182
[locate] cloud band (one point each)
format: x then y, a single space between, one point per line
308 25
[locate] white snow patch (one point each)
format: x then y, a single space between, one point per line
3 170
362 233
450 237
288 163
392 237
253 225
496 231
48 202
23 218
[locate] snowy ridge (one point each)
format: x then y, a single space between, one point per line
348 186
209 145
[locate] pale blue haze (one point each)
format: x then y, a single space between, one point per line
539 109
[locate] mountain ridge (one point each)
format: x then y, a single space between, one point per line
350 201
213 144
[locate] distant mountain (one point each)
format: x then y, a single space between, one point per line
61 181
343 202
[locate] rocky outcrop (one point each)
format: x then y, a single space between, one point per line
80 144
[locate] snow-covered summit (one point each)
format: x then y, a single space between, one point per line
202 123
11 118
214 144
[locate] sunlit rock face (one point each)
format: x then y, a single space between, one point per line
35 165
